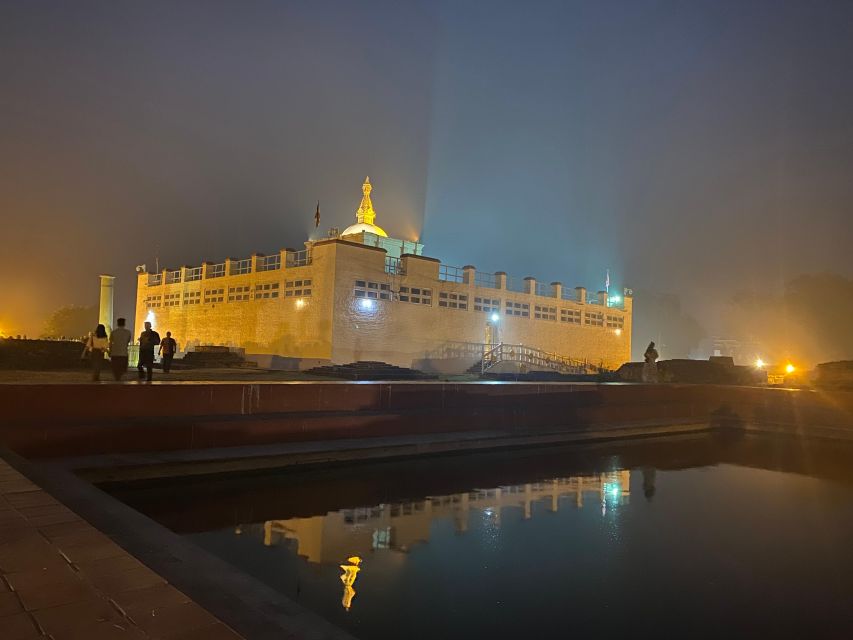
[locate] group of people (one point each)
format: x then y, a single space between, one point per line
115 345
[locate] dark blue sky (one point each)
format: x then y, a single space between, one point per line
693 148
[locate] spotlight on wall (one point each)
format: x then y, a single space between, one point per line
300 303
618 332
494 317
759 363
366 304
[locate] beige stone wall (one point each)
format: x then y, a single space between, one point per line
333 323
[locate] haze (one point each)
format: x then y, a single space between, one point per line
691 148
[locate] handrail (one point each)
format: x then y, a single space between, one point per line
537 357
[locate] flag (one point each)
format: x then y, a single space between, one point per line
317 215
607 282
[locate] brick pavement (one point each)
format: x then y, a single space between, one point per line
63 579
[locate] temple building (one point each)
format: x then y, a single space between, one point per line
363 295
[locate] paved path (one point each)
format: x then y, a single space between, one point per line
62 578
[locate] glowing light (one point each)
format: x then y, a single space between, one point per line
759 363
614 491
300 303
789 368
615 299
350 573
150 318
366 303
618 332
494 317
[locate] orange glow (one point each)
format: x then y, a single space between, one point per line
789 368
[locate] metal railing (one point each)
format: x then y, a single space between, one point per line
447 273
193 274
486 280
568 294
269 263
173 277
537 358
241 267
544 290
516 284
155 279
394 266
298 258
216 270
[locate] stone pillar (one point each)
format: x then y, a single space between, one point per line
283 254
557 290
205 268
255 257
228 262
530 285
105 309
580 294
500 278
469 275
602 298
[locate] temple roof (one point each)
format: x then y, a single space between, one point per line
365 215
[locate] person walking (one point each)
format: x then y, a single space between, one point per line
119 339
650 368
97 346
167 350
148 339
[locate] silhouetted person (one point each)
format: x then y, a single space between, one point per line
119 339
167 349
148 339
650 368
97 346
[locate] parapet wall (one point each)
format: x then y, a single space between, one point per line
73 420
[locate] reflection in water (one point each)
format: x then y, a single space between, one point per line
399 526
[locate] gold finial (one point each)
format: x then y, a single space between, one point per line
365 212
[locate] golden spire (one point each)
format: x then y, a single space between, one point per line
365 212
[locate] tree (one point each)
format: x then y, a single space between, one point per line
71 322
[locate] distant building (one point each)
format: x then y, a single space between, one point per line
361 295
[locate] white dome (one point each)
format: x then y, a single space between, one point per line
363 227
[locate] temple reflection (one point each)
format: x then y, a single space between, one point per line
398 526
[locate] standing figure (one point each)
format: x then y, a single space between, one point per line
148 339
650 368
97 346
119 339
167 349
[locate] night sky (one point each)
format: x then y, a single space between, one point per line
693 148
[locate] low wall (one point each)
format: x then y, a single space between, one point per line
66 420
41 355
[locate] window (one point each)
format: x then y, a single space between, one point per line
193 274
545 313
241 267
416 295
216 270
297 288
214 295
269 263
172 300
489 305
173 277
268 290
153 302
372 290
453 300
238 294
615 322
572 316
594 319
192 297
517 309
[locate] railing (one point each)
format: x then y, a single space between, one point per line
241 267
394 266
544 290
269 263
516 285
155 279
537 358
216 270
173 277
568 294
486 280
193 274
457 350
450 274
298 258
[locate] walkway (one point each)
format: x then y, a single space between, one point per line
62 578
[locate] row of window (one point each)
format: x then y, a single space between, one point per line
293 288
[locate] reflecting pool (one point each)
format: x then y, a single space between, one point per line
683 538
